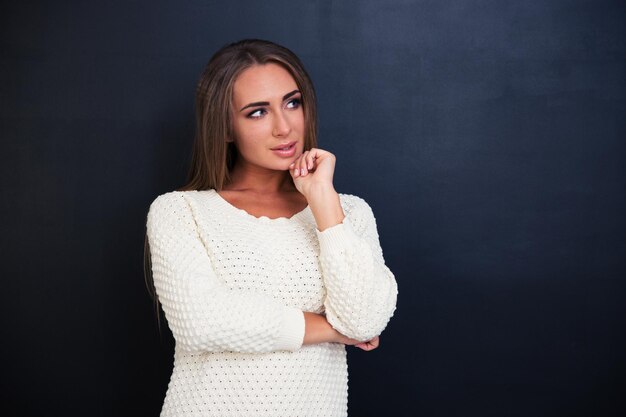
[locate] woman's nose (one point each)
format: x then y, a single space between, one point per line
281 125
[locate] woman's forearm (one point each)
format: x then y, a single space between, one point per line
318 330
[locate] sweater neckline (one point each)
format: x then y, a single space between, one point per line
224 204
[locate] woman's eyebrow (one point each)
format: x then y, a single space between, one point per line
265 103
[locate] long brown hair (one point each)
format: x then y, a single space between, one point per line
214 153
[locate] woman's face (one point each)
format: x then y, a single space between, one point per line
267 113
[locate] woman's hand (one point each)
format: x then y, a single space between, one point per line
318 330
367 346
315 166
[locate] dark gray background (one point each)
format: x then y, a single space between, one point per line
488 137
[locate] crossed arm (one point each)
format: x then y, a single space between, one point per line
204 315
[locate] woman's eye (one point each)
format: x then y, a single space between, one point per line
256 114
293 104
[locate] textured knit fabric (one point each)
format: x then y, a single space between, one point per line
234 287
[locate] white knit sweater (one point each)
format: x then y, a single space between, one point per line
233 288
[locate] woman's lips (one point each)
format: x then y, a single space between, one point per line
285 153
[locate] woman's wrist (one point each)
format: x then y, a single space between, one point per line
318 330
326 206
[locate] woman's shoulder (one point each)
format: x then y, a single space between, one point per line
167 197
175 200
174 195
168 202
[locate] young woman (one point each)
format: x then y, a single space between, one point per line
264 272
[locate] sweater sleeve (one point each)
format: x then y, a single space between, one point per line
202 313
361 291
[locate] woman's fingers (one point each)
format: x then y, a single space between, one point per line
369 345
303 163
375 342
295 165
310 160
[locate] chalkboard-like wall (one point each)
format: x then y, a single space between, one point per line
488 137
